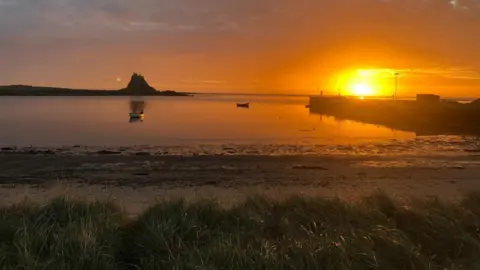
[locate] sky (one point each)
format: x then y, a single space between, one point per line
255 46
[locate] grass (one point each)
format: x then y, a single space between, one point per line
299 233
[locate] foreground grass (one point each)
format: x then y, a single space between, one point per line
376 233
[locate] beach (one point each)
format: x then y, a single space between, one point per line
140 179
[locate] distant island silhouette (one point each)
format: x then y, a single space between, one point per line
137 86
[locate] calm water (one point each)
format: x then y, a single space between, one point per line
194 122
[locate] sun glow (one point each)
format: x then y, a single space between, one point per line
363 83
362 89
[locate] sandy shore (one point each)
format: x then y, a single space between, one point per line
138 181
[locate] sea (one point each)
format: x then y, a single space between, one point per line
206 124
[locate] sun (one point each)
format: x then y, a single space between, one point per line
362 89
361 83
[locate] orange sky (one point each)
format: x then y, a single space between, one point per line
276 46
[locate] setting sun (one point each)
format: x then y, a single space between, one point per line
362 89
364 82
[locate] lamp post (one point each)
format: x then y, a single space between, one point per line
396 74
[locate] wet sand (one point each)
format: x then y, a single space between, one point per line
137 181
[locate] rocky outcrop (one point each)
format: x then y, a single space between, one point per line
138 85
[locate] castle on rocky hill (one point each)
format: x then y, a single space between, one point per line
138 85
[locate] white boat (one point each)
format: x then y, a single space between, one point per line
137 115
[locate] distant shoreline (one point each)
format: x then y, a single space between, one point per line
23 90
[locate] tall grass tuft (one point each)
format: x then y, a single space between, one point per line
298 233
60 235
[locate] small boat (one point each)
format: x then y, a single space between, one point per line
243 105
137 115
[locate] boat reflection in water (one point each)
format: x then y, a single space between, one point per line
137 111
136 120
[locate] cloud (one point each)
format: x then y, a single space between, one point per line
203 82
6 3
89 17
451 73
445 72
212 82
267 18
